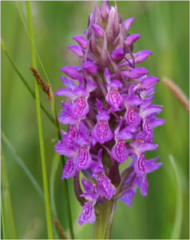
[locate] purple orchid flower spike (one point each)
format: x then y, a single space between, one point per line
109 113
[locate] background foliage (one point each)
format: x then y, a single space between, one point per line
164 29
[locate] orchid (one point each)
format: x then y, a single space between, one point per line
109 113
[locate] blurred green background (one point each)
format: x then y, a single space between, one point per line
164 29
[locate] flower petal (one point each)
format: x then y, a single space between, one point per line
77 50
132 39
102 132
127 24
71 71
127 197
65 92
139 166
152 166
69 170
83 160
104 186
82 41
80 107
144 187
90 67
119 152
99 32
142 55
88 214
118 54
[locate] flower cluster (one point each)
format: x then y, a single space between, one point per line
109 113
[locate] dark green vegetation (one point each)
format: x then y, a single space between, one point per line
164 30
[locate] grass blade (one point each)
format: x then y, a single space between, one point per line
9 230
179 205
22 165
54 168
3 236
40 129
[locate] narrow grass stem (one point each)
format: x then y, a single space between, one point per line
40 129
3 235
26 28
179 202
9 230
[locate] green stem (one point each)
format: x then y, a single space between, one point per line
25 82
104 220
26 28
179 202
40 129
9 230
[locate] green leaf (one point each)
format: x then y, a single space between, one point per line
179 205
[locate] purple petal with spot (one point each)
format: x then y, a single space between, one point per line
69 170
80 107
114 98
104 186
119 152
146 127
88 214
139 166
83 160
102 132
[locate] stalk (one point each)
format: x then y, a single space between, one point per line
104 220
8 223
40 129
